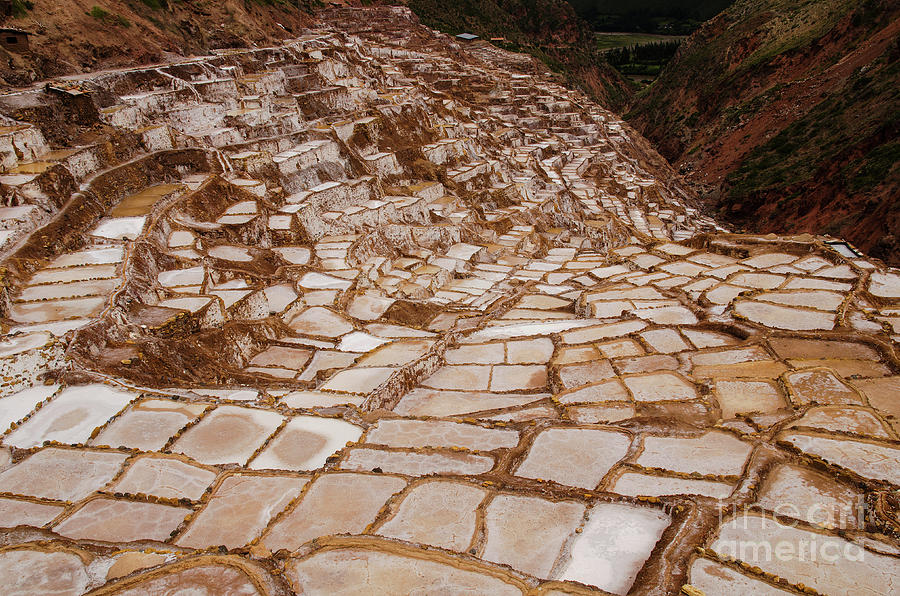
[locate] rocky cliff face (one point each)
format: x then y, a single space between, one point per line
784 114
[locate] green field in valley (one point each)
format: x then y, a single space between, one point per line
610 41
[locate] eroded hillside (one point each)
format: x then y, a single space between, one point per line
786 114
72 36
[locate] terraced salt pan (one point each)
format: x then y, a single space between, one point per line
421 433
437 513
600 332
324 360
358 380
851 571
62 474
646 364
140 203
192 276
819 386
878 461
760 281
369 308
574 456
884 284
461 377
819 300
416 464
199 578
635 484
807 283
747 395
359 341
164 477
803 493
577 375
847 419
611 390
660 387
230 434
528 329
769 260
42 312
396 353
881 394
708 339
191 304
320 399
71 416
98 287
428 402
846 367
14 512
283 356
724 294
335 503
714 578
120 228
320 321
321 281
714 452
71 274
616 541
55 328
305 443
239 509
19 405
227 252
733 356
783 317
181 238
114 520
598 414
528 533
667 341
230 394
27 572
667 315
295 255
538 301
92 256
476 354
350 571
279 297
533 351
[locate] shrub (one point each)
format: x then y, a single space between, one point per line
98 13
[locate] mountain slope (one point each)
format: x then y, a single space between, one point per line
548 29
786 114
72 36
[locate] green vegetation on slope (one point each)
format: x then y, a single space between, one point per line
642 59
611 41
